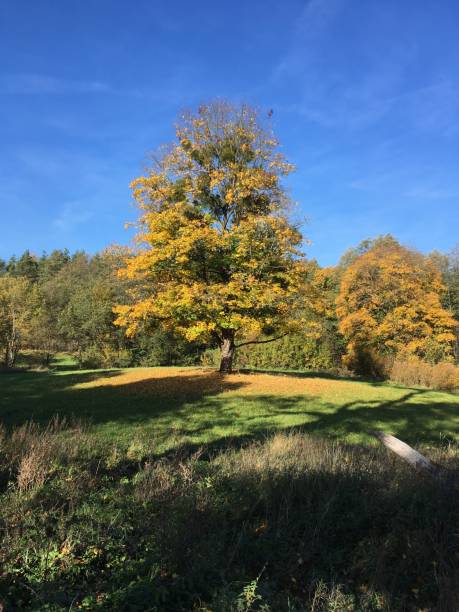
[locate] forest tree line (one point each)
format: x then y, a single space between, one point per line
218 273
381 302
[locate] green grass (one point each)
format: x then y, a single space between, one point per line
158 506
199 407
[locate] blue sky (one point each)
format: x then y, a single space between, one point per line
365 96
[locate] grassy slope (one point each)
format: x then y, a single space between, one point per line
177 406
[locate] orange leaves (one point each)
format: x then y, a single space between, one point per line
389 299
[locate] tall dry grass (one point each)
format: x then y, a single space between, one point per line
414 372
290 523
29 454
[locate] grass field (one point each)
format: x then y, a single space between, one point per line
171 407
177 489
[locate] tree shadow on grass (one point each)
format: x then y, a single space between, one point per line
416 423
359 523
41 395
190 408
410 416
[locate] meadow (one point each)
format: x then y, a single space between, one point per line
170 407
179 488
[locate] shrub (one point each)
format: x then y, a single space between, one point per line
293 352
366 361
91 358
414 372
105 357
31 454
34 467
162 348
445 376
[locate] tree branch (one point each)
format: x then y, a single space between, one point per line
408 454
262 341
218 337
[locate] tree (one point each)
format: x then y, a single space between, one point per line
318 345
390 302
27 266
449 268
77 307
43 333
217 259
14 316
349 256
50 265
11 265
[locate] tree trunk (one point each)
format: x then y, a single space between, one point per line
12 346
408 454
227 351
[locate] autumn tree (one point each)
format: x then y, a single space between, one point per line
77 300
385 241
318 345
449 267
390 302
15 316
217 258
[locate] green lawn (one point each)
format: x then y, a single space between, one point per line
104 518
171 407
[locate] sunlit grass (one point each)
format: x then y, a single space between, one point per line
188 488
177 406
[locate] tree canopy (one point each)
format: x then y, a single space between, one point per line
390 302
217 258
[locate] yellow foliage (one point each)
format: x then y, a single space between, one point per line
390 302
216 254
16 312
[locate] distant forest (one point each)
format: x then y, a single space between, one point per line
63 302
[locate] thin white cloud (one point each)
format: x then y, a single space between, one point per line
308 31
36 84
435 107
404 181
320 82
175 90
71 216
355 87
432 193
